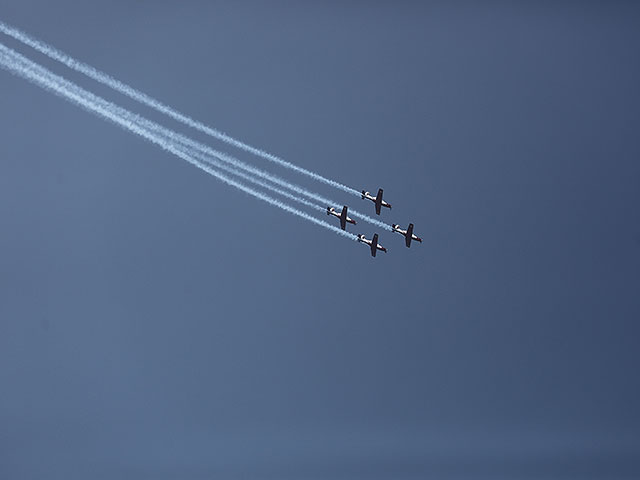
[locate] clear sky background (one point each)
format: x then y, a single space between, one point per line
156 324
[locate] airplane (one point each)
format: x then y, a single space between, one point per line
408 234
377 200
342 216
372 243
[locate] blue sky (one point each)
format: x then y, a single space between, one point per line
155 323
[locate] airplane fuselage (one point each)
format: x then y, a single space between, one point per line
338 215
342 216
372 243
377 200
407 234
368 196
404 234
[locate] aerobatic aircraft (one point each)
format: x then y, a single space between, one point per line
408 234
377 200
372 243
342 216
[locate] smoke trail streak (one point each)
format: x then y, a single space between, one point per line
199 148
140 97
256 181
8 62
202 151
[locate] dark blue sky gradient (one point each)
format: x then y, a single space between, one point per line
156 324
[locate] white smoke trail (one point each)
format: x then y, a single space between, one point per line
138 96
202 151
210 156
254 180
199 148
9 62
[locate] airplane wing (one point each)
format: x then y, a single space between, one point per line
407 237
378 201
343 218
374 245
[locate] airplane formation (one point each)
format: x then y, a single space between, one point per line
373 243
211 161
